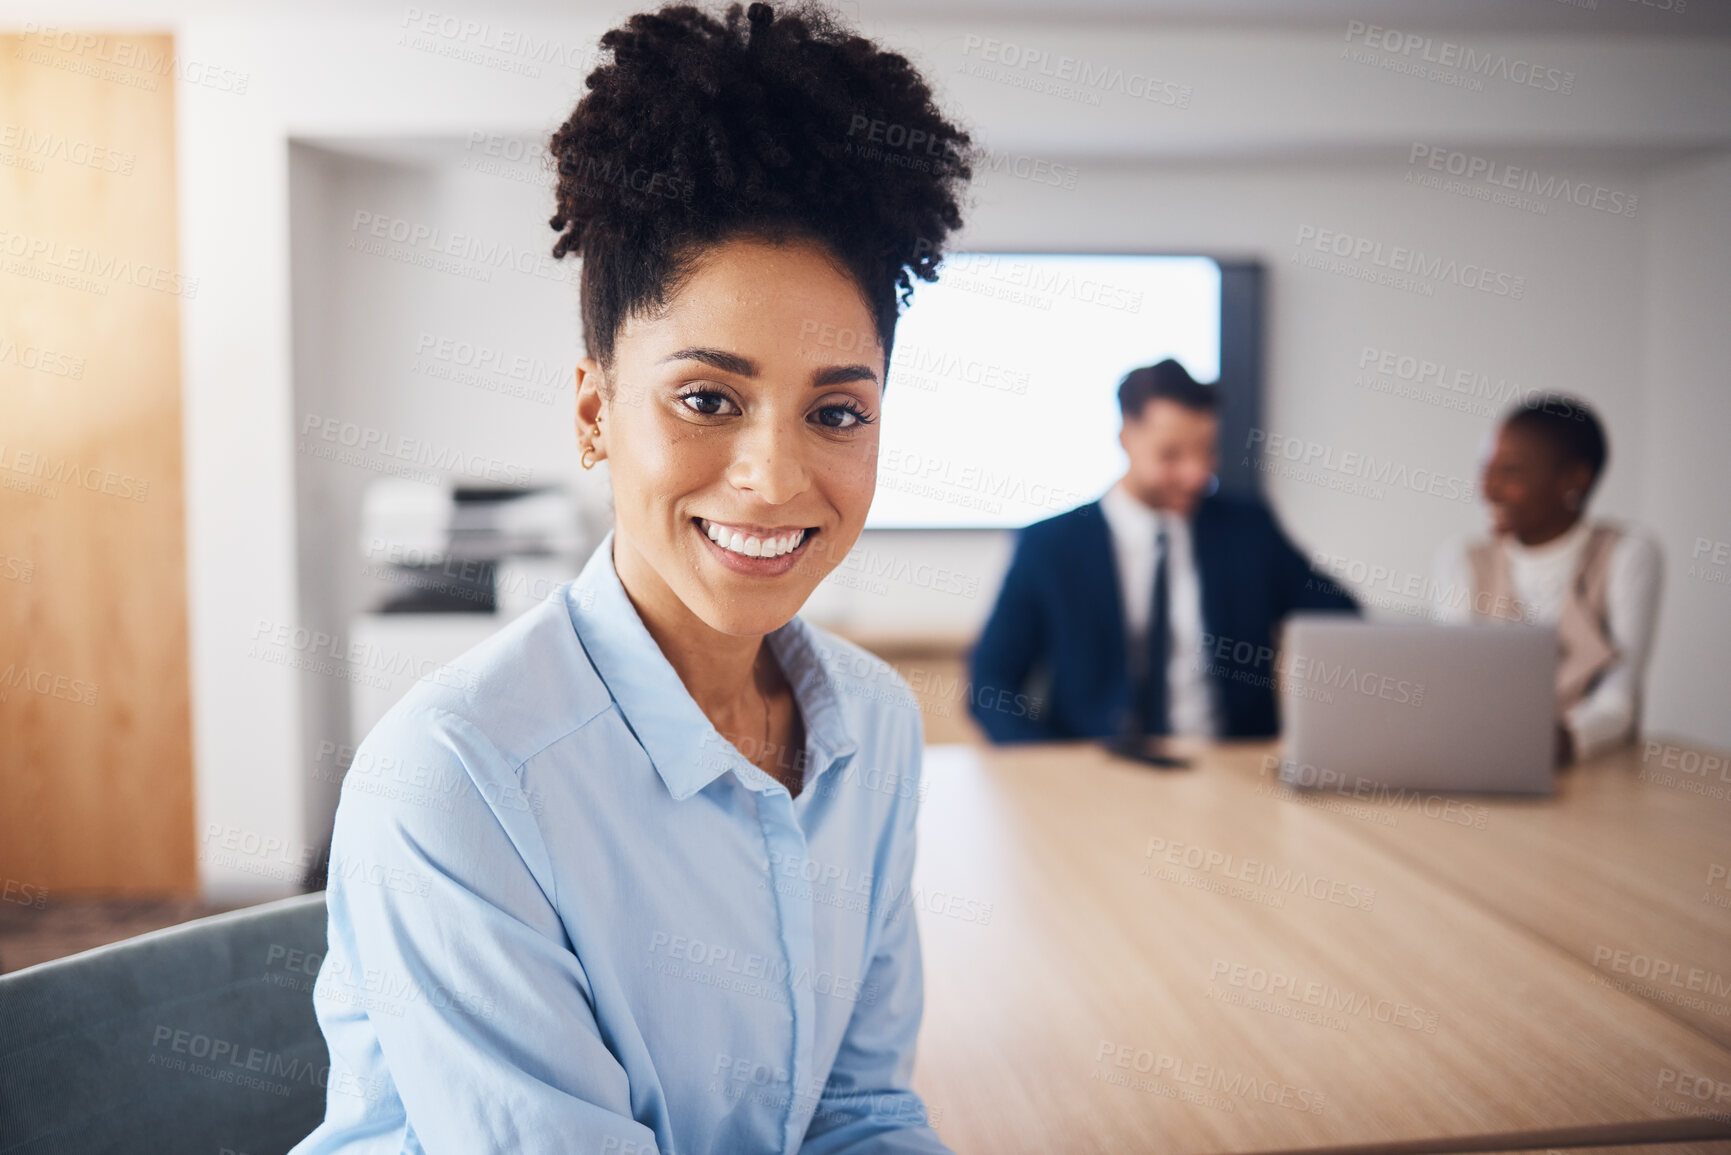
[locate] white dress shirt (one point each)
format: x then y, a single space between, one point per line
1540 576
1133 526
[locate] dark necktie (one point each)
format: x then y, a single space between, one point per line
1148 712
1159 645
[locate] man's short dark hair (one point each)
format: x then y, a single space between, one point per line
1568 426
1166 381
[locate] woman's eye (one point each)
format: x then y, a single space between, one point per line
840 416
705 402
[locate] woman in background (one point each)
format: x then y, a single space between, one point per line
1548 563
647 885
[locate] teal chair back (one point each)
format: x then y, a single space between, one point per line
197 1040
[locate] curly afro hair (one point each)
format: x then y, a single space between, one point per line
777 126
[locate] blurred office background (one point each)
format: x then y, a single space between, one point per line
277 282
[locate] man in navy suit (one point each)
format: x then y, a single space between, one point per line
1153 610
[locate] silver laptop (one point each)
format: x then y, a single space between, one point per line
1467 708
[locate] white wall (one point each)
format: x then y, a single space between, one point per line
1280 131
1686 374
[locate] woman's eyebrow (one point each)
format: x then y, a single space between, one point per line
745 367
720 358
842 374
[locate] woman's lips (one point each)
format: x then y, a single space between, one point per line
777 537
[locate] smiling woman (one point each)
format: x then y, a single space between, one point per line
742 467
665 903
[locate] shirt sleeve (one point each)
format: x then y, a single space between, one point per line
1607 715
1300 585
448 978
1013 641
868 1105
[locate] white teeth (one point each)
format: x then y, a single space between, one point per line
752 546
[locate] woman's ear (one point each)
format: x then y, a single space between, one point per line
1575 481
591 403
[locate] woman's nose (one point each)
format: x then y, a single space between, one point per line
769 461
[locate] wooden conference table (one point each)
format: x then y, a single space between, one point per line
1119 958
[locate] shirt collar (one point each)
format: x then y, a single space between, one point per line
685 749
1554 550
1125 508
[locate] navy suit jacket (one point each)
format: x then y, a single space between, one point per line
1060 614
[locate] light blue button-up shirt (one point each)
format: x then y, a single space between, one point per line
566 915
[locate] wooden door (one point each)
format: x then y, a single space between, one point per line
95 726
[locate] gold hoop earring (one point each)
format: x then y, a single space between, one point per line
588 459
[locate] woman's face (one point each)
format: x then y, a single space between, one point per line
1527 487
745 411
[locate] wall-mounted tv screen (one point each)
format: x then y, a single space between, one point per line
1002 403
